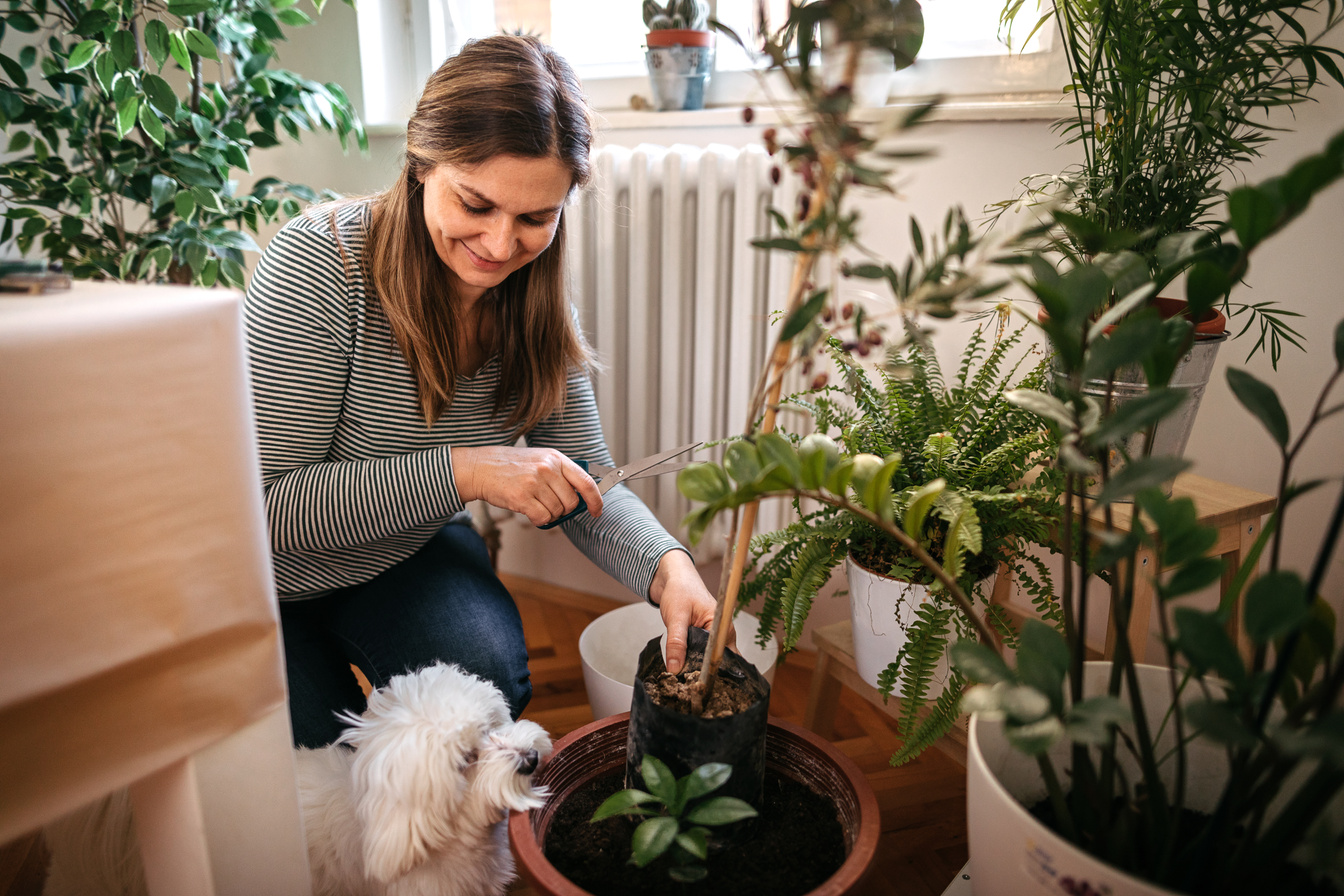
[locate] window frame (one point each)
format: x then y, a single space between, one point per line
395 42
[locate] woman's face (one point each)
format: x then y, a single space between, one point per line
489 220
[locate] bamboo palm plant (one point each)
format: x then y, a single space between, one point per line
1169 99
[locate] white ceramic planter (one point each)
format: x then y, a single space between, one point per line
881 609
609 648
1013 854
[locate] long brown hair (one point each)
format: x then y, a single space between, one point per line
501 95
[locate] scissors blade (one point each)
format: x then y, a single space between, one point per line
645 465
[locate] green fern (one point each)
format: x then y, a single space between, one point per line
961 430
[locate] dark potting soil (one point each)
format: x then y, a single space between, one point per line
1289 879
680 692
796 845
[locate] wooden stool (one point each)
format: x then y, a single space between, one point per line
835 667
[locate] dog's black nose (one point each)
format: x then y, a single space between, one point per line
527 762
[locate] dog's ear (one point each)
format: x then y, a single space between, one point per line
406 791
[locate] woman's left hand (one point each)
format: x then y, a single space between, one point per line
684 601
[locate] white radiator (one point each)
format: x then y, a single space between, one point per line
674 297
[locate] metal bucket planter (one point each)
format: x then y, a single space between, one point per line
680 62
1191 376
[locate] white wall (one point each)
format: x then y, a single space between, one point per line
977 162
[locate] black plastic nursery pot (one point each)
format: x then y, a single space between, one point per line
685 742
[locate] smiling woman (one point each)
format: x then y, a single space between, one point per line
401 347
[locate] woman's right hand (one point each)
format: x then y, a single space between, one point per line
540 483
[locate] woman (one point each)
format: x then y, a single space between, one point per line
400 347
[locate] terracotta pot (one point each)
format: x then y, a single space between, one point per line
599 748
679 37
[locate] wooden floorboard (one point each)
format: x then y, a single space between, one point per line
923 803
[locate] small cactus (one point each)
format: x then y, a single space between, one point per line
690 14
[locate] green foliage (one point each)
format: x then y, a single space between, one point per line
932 458
685 14
127 119
1275 710
677 815
1171 99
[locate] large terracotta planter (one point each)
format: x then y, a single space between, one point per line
599 748
1013 854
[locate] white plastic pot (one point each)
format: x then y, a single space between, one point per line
881 610
1013 854
609 648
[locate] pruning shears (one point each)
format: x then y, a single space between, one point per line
608 478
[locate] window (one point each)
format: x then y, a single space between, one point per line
400 40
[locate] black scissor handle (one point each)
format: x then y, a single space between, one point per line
583 505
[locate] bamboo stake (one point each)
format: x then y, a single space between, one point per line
776 366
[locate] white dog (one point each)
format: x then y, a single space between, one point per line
418 807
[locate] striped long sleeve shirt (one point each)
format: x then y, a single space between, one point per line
354 481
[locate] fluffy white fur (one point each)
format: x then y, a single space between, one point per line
416 808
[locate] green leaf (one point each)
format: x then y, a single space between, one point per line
105 69
20 141
622 802
1191 577
708 777
659 779
1042 405
696 842
918 508
1220 723
1262 401
21 21
14 70
705 482
199 44
183 204
1275 605
721 810
210 273
1091 720
160 94
295 17
152 126
1146 472
161 191
802 316
207 199
81 55
1201 637
1136 414
156 41
184 8
652 838
1339 344
177 48
237 157
777 450
123 49
1252 212
126 115
978 663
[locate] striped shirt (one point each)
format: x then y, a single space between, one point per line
354 480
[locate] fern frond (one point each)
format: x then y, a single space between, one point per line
941 716
928 635
810 571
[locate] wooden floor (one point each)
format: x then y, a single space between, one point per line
923 843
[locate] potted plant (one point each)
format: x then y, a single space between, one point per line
680 52
1224 772
1120 755
828 157
962 447
126 123
1167 101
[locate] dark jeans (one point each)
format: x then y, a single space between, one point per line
443 603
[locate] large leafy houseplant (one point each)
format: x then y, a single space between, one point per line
128 120
1277 715
1169 98
961 446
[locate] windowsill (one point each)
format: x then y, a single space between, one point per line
978 107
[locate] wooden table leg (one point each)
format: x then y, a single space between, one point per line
1141 609
822 697
1247 532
